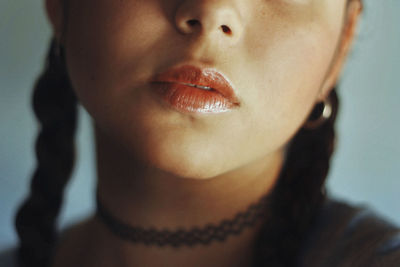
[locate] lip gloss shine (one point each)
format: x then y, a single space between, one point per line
189 99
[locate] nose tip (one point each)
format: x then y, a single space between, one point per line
207 17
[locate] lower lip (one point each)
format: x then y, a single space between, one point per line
188 99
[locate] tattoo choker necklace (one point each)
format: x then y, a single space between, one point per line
182 237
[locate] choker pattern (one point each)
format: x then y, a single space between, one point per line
184 237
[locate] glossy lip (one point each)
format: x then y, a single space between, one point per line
208 77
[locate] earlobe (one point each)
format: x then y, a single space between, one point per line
353 12
54 10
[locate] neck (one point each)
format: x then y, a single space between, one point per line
143 196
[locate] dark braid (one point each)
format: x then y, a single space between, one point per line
55 106
299 193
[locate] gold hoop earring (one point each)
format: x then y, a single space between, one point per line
320 114
57 48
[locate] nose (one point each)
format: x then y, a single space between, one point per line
219 18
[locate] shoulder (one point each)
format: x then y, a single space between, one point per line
345 235
8 258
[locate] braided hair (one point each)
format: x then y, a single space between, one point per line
55 106
296 198
299 192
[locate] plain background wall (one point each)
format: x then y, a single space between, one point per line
365 168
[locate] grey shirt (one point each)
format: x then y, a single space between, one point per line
349 236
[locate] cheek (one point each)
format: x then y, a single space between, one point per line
106 44
287 66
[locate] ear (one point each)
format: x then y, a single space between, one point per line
353 12
55 14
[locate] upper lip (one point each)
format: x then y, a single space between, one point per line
189 74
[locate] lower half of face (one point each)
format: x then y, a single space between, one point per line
277 65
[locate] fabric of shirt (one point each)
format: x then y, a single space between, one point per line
349 236
343 236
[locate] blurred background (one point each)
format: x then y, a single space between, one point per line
365 169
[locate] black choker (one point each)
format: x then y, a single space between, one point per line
183 237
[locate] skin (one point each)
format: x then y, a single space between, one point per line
157 166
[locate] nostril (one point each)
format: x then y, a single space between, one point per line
226 29
192 22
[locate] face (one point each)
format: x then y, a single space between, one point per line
277 55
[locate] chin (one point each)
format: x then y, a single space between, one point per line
186 165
